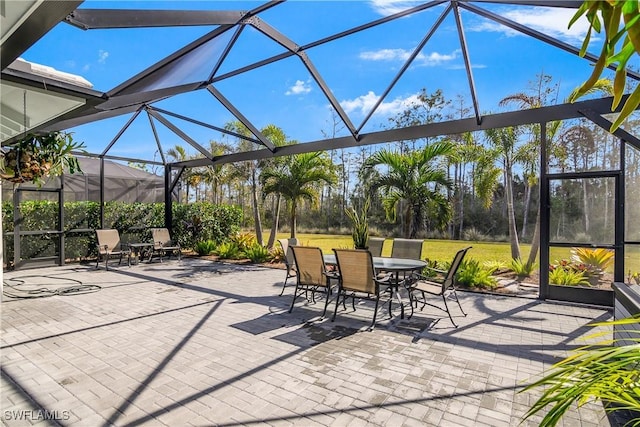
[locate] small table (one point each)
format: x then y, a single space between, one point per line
389 264
138 249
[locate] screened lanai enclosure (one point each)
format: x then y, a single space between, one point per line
332 76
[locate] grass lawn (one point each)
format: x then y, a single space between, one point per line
443 250
439 250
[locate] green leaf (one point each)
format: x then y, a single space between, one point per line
629 107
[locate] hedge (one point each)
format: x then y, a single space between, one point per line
191 223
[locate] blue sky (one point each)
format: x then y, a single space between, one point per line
357 69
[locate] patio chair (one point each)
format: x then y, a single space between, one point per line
109 245
289 260
311 274
443 286
163 244
375 245
357 279
407 248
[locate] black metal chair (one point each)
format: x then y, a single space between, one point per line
443 286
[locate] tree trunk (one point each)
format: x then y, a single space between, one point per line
585 207
407 221
527 202
256 208
293 219
513 230
276 220
535 241
461 201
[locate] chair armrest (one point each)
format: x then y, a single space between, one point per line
436 270
331 274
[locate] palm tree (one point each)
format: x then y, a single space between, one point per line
415 180
215 175
249 171
179 154
278 137
298 179
504 141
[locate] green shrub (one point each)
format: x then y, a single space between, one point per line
205 247
522 268
192 223
243 241
567 277
474 235
471 274
228 250
257 253
495 265
276 254
429 270
596 260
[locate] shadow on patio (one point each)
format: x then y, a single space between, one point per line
200 343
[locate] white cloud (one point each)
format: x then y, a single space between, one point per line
389 7
550 21
364 103
102 56
299 88
430 60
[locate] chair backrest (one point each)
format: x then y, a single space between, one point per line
407 248
286 244
375 245
310 265
355 267
108 240
160 237
449 278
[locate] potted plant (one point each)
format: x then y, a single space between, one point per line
37 156
360 224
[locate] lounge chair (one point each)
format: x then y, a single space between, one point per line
163 244
443 286
109 245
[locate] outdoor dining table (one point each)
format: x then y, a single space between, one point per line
390 265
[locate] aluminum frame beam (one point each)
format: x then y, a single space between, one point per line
606 125
288 44
512 118
467 62
91 19
538 35
406 65
173 128
233 110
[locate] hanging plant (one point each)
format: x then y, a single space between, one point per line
36 157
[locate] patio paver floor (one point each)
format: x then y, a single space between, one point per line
202 343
